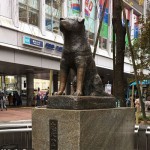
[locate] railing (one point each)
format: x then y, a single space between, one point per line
142 137
19 136
16 136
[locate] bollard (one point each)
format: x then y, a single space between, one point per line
117 103
147 133
136 130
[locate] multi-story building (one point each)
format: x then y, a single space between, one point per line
31 42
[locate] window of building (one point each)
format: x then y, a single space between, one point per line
103 36
102 43
89 11
74 8
52 10
29 11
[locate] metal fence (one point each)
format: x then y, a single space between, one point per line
142 137
16 136
19 136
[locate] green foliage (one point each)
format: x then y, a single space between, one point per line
142 118
142 45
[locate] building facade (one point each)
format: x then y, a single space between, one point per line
31 42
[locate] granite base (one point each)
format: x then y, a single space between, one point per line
80 102
94 129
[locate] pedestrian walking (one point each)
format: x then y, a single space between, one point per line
46 96
38 98
3 101
14 99
10 99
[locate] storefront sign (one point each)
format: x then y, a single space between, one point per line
32 42
52 46
134 3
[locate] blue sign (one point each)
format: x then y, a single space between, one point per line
53 47
26 40
60 49
50 46
32 42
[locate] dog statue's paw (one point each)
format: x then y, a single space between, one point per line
58 93
78 93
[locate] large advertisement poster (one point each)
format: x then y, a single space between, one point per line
90 15
104 29
73 7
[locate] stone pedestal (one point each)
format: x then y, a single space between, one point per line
90 129
80 102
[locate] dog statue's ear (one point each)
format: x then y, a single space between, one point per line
80 19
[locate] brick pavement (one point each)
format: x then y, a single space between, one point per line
16 114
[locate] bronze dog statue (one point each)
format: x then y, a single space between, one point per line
77 55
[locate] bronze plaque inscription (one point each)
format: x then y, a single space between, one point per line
53 125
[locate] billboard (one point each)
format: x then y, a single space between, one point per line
104 29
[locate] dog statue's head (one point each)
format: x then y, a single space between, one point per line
72 24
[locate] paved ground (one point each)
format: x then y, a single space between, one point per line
20 114
16 114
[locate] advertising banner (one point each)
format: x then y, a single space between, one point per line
104 29
73 7
90 15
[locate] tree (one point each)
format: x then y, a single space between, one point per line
140 54
120 32
142 46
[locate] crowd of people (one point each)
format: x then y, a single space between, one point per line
136 102
40 98
13 100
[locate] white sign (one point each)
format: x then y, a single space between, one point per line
108 88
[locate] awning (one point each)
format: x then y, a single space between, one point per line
144 82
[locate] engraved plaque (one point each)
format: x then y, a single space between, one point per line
53 125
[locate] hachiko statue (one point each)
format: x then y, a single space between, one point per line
77 55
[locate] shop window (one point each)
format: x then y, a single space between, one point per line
52 10
91 38
29 11
127 51
102 43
